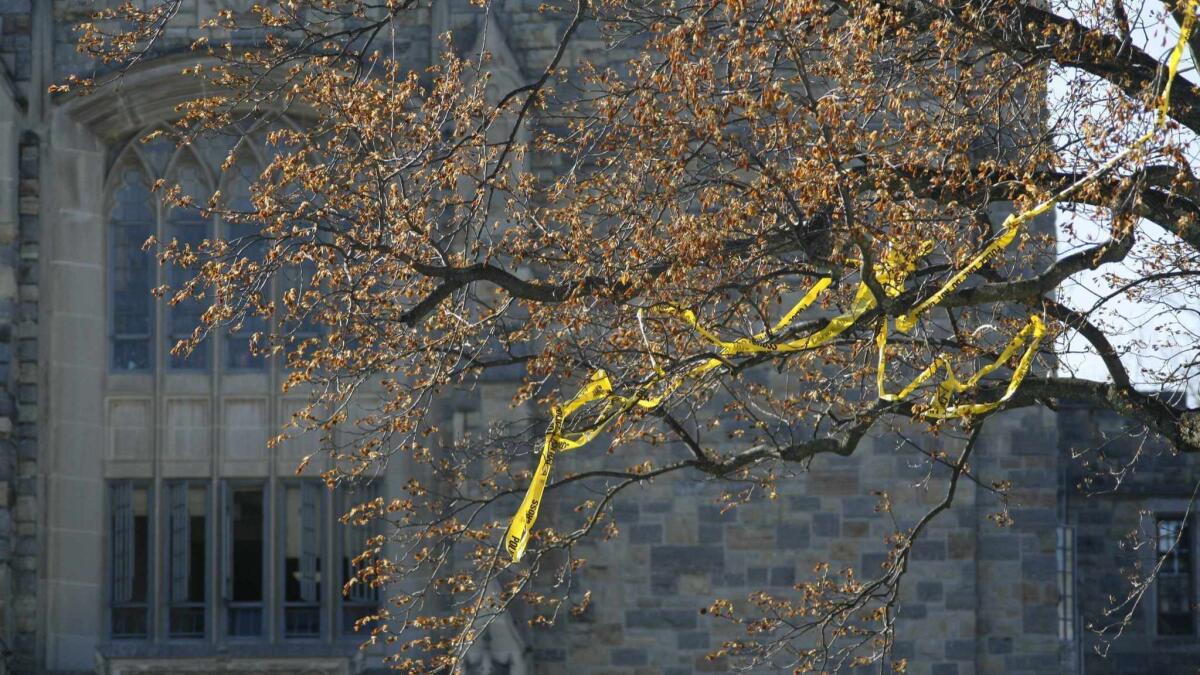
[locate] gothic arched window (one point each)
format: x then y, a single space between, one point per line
242 236
189 227
141 337
213 542
132 274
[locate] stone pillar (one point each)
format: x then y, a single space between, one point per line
9 118
11 121
69 349
18 405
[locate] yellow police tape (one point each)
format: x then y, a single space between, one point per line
939 408
1014 221
893 271
891 274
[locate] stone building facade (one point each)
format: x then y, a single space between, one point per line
121 469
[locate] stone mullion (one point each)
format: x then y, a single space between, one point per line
216 419
159 360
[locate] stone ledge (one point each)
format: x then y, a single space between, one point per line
226 666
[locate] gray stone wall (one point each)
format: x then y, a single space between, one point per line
19 545
1016 584
18 176
19 423
978 599
1105 514
16 38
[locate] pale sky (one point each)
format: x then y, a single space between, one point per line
1164 335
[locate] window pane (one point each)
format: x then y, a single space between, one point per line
187 226
300 280
302 559
130 561
1065 558
238 354
132 274
245 243
188 504
158 152
129 622
1175 577
244 572
361 600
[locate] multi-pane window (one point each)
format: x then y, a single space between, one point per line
1175 590
465 426
188 228
274 546
1064 553
298 279
245 577
361 600
130 505
246 243
226 558
131 275
1068 611
141 336
187 518
301 573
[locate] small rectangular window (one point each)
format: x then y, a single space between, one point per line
301 570
245 551
238 353
1175 582
246 242
187 564
297 281
465 427
1065 558
131 278
130 559
187 227
360 600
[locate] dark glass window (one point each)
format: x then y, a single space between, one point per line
298 604
301 572
158 151
245 243
131 274
244 570
188 568
300 280
1175 585
360 600
130 559
188 227
1064 553
135 217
